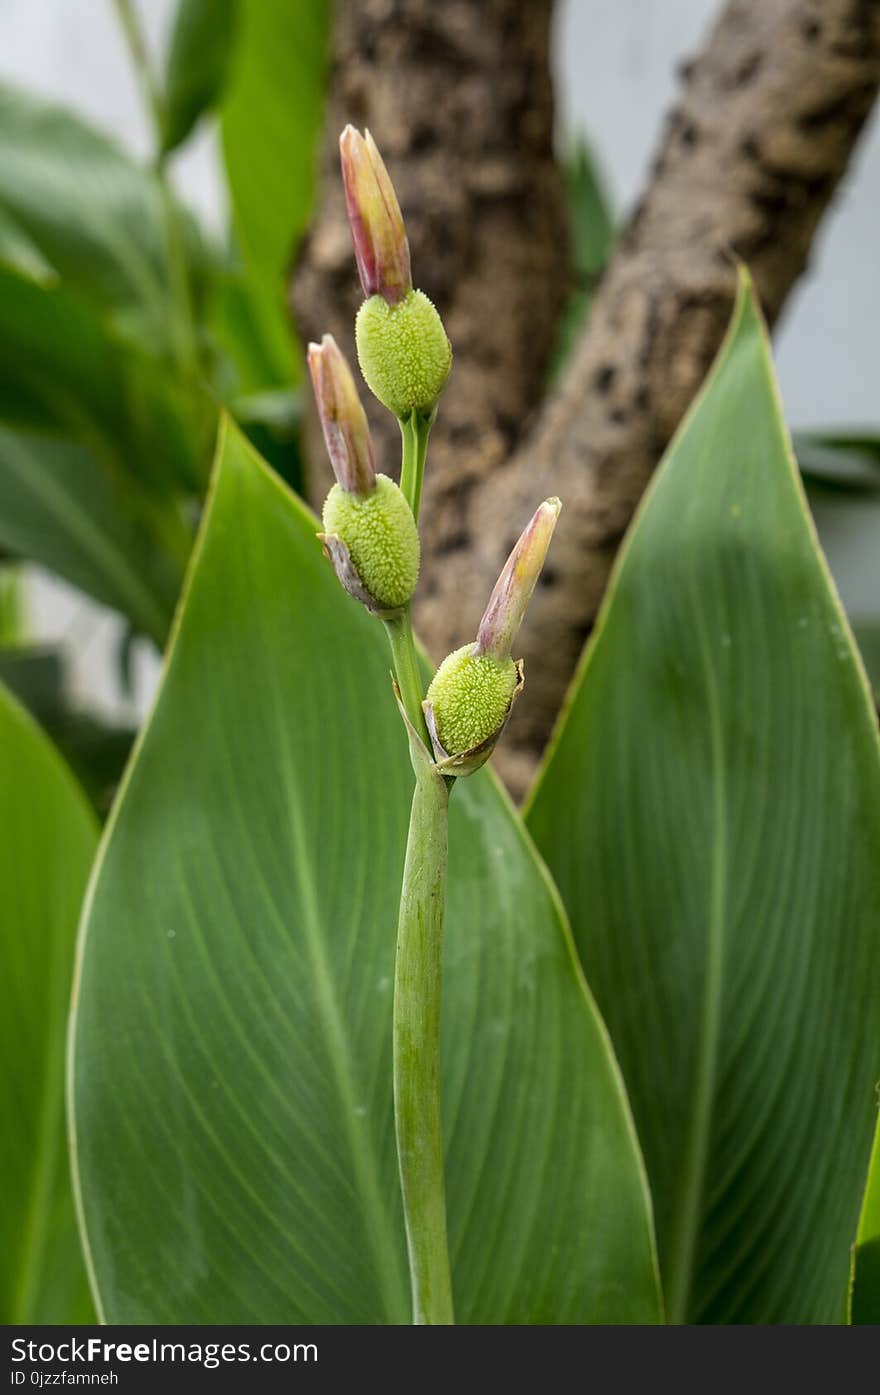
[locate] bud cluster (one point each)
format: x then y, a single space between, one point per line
370 531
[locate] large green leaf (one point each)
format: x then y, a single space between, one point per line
197 64
62 370
711 811
231 1070
59 507
49 839
270 120
865 1277
94 215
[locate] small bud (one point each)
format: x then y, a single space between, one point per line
403 352
380 246
473 691
373 543
513 589
343 419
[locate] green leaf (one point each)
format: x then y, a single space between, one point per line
840 463
92 215
711 811
197 64
95 749
865 1276
60 508
591 233
62 370
270 122
48 842
232 1068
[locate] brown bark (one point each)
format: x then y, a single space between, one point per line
763 129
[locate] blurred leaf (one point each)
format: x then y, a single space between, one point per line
864 1305
591 233
20 252
847 463
710 808
232 1035
11 608
60 508
95 750
270 122
61 370
49 840
91 214
197 65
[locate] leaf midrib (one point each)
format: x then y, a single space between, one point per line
681 1255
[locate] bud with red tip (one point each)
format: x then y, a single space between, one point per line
343 419
380 246
472 693
370 534
403 350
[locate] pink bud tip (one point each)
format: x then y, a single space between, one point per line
343 419
380 246
507 604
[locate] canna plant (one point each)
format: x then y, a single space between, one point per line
275 1115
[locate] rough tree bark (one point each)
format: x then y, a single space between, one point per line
752 152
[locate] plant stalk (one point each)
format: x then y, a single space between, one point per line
406 670
186 349
415 431
417 981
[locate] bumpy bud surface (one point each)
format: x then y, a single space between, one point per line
403 351
380 534
471 696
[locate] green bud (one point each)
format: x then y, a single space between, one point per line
470 697
403 351
381 539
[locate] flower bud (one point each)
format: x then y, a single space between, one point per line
473 691
380 246
513 589
343 419
373 543
403 352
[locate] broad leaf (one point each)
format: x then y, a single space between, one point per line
232 1071
864 1302
48 842
95 749
197 65
711 811
62 370
270 120
93 215
60 507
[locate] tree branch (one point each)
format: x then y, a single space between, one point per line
766 121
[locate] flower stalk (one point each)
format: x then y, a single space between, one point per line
416 1043
371 537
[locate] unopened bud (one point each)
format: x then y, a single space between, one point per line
513 589
373 543
404 353
380 246
343 419
473 691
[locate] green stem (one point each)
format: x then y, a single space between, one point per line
186 349
415 431
406 670
417 1049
